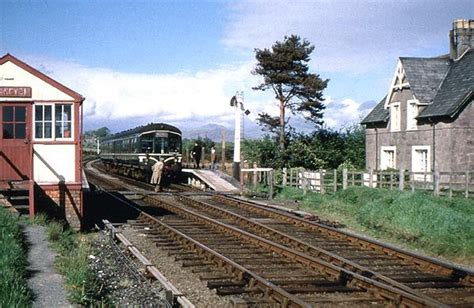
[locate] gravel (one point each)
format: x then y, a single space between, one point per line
182 278
122 276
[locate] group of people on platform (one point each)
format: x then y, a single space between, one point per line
196 153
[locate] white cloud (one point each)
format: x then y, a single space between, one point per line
183 98
344 113
115 95
349 36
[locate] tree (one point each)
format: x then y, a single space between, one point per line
285 71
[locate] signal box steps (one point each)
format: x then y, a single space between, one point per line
15 198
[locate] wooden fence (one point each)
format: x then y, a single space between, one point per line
440 183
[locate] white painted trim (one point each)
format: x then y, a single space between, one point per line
34 121
392 123
411 119
53 120
400 73
414 164
71 138
383 150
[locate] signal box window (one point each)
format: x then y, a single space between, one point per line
53 123
43 122
14 122
63 121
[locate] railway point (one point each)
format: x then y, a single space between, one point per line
40 148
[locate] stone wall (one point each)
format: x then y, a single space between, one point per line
451 149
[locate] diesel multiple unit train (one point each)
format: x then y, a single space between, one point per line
133 152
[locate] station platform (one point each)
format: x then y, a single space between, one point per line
213 179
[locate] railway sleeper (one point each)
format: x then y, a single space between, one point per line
303 280
203 269
262 261
215 276
196 263
226 283
269 267
423 278
435 285
319 289
191 257
223 291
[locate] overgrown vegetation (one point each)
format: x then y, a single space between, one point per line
74 248
324 148
14 290
437 225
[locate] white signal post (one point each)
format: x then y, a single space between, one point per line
237 102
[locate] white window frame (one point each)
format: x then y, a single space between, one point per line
412 113
384 163
395 125
71 136
53 120
415 159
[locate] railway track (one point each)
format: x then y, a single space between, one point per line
427 278
272 258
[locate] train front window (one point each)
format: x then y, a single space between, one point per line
174 142
146 144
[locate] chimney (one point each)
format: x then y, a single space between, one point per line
461 37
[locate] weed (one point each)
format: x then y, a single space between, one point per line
435 224
14 290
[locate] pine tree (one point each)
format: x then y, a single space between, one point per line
285 71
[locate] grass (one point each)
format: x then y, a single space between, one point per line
436 225
74 248
14 290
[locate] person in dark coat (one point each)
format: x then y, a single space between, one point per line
196 152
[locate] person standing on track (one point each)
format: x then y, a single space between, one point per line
157 169
196 152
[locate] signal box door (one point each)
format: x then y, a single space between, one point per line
15 142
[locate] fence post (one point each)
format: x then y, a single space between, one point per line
270 184
335 180
344 178
321 181
284 176
412 179
467 184
450 184
291 177
436 183
254 178
401 179
371 172
304 182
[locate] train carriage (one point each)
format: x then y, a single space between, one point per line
133 152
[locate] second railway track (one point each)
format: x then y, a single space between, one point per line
269 257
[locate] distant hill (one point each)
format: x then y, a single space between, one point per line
214 132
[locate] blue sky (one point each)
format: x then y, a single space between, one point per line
181 61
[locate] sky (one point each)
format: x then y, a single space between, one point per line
181 61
